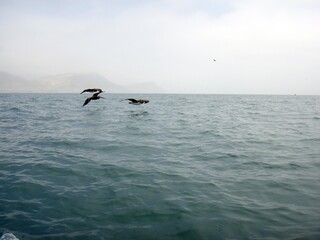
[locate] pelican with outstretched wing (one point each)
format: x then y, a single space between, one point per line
137 101
95 96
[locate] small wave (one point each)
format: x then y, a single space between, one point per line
137 114
14 109
284 166
8 236
313 139
230 156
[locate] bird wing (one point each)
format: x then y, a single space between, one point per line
92 90
89 90
96 94
132 100
87 101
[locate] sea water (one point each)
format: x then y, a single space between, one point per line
179 167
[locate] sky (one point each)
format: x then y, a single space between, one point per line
260 47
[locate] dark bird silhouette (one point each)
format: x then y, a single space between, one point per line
95 96
137 101
92 90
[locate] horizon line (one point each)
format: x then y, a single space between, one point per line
171 93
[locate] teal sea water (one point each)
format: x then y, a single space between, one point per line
179 167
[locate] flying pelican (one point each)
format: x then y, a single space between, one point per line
92 90
137 101
94 96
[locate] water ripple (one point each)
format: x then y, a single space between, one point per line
180 167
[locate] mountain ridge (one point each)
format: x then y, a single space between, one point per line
70 83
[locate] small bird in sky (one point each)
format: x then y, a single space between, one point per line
95 96
214 60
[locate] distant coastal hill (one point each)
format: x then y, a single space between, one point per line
70 83
12 83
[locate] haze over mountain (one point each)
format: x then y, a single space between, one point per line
13 83
70 83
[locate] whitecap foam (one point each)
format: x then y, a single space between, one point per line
8 236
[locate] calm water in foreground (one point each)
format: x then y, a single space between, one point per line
180 167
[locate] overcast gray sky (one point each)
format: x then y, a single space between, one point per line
260 47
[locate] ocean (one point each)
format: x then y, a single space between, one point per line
179 167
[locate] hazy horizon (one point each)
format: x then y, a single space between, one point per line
260 47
